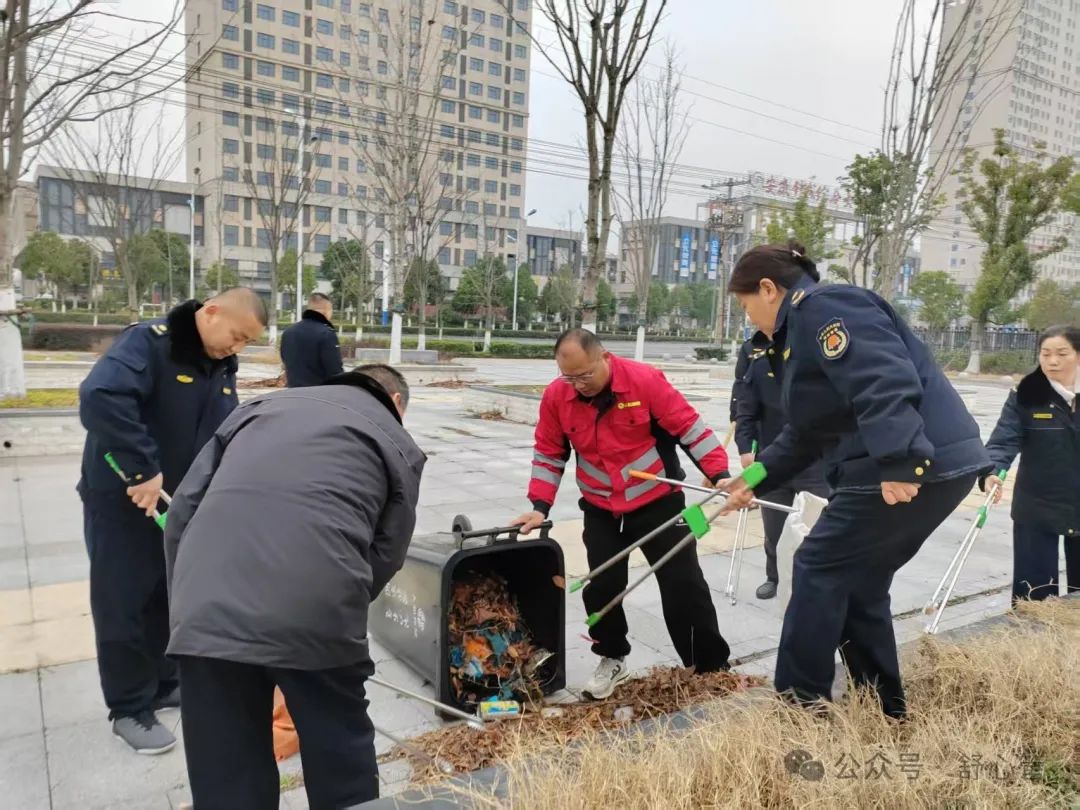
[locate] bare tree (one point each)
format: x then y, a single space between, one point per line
115 168
601 46
46 81
652 134
939 71
280 187
397 130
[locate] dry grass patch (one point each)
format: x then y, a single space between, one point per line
995 722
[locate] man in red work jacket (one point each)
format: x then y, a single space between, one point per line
618 415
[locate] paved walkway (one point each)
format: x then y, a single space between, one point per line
55 747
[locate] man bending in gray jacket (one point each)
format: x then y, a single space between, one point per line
290 521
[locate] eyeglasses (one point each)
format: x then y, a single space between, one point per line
572 379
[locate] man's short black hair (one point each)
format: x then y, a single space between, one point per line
319 298
588 341
247 297
391 380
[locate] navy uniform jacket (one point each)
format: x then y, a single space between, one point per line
153 400
859 389
742 364
309 351
1044 430
760 418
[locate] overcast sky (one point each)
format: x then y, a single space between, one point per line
825 57
828 58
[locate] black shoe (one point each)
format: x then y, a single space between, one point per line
170 700
766 590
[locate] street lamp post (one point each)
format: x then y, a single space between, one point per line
514 316
191 248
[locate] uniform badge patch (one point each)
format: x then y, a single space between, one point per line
833 338
797 297
184 378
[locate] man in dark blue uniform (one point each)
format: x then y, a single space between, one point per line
901 451
759 420
152 401
309 349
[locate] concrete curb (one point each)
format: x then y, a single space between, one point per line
492 781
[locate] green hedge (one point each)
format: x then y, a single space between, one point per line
710 352
72 337
81 317
1011 362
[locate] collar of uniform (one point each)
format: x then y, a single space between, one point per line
798 291
361 380
1036 390
760 341
318 317
185 345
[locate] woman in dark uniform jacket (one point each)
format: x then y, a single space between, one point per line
1041 423
759 419
859 390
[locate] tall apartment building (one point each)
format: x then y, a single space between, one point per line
347 84
1030 87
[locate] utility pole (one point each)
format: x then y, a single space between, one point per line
725 223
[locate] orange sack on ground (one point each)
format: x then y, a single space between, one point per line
286 740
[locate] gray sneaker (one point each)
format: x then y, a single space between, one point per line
144 733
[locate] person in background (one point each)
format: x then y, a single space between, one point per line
290 522
1040 423
759 418
618 415
859 390
151 401
309 349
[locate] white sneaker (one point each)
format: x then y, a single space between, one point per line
610 672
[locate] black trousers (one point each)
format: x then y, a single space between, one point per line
840 591
1036 562
684 594
129 603
227 710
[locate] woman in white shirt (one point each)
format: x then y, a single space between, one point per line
1041 424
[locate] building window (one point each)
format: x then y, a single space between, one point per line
472 183
476 40
446 131
343 214
495 69
521 52
446 228
476 64
491 139
290 74
382 68
476 112
343 137
497 21
230 119
230 32
290 102
472 207
363 37
324 54
346 6
491 162
476 89
230 90
476 15
265 151
447 106
515 212
364 9
444 255
230 61
290 18
290 46
518 121
264 179
265 96
449 32
362 88
470 257
519 99
230 174
515 190
474 136
230 146
515 167
321 243
232 235
326 3
491 186
450 7
264 12
519 75
264 124
472 160
324 27
493 116
361 192
449 83
290 129
266 69
230 5
495 44
264 41
323 161
516 144
345 32
324 80
230 202
344 59
289 156
322 186
494 93
322 213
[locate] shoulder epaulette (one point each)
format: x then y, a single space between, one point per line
159 329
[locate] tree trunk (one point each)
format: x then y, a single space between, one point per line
12 377
975 344
639 346
421 338
395 339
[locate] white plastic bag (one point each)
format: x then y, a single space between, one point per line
796 527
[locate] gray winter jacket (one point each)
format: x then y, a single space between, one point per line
292 518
